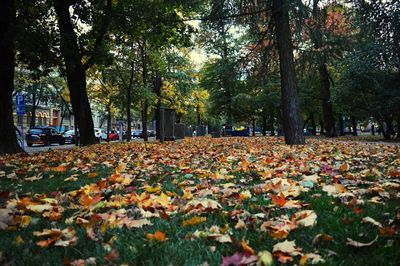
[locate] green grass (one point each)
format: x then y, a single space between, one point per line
334 218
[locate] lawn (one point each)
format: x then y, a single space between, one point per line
203 201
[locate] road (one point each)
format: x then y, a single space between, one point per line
39 148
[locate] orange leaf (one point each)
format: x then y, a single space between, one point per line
92 175
345 167
279 200
194 221
158 235
60 168
246 248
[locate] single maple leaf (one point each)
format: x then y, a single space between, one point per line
60 168
279 200
194 220
158 236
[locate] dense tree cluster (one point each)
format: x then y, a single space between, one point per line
288 66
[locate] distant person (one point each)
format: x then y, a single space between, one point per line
373 130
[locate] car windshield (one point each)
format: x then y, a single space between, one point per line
35 131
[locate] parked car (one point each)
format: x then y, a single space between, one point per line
137 134
100 134
69 136
45 136
151 133
113 135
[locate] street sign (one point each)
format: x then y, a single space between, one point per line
20 104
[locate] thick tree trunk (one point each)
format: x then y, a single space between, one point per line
382 129
316 36
292 121
32 123
313 125
8 138
264 124
321 123
354 125
389 125
341 125
327 109
76 74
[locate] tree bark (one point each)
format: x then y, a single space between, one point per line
146 102
341 125
108 122
157 85
129 115
321 123
398 124
316 36
8 138
76 73
354 125
313 125
32 123
253 120
292 121
264 123
327 110
271 122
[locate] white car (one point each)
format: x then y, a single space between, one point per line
100 133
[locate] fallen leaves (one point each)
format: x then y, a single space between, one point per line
285 251
56 237
217 191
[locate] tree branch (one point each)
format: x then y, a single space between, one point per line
100 37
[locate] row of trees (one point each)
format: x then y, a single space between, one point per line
291 64
346 61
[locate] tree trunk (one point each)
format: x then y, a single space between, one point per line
264 124
341 125
253 120
8 138
62 115
157 91
271 122
128 115
292 121
199 116
382 129
144 120
321 123
327 110
313 125
32 123
398 124
389 124
354 125
146 102
108 122
316 37
76 74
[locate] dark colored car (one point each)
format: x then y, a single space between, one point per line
45 136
